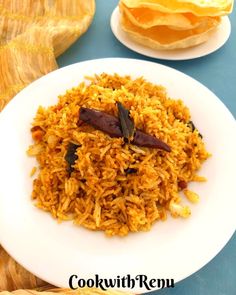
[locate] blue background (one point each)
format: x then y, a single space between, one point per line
217 72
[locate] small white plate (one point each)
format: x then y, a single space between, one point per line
172 249
216 41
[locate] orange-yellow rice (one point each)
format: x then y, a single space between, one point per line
98 194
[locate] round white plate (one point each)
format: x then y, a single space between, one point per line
216 41
172 249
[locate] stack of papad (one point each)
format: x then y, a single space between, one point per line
173 24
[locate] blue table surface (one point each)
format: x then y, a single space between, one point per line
217 72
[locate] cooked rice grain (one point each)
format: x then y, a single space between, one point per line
98 194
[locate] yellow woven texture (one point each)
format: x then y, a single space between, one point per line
32 34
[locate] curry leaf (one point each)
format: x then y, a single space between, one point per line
71 156
191 125
131 170
127 125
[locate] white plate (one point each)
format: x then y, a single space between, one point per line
172 249
216 41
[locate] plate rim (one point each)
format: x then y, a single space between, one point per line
133 60
115 58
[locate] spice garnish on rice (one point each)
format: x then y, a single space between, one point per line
121 128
